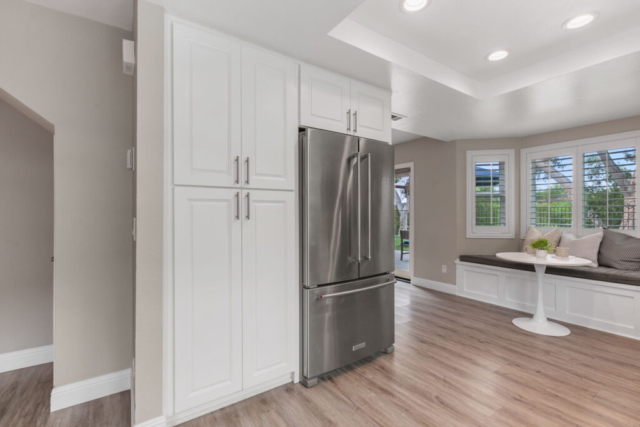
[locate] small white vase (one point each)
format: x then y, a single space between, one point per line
541 253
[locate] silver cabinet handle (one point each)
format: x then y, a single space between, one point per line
367 156
237 169
247 180
349 120
237 205
339 294
355 121
248 206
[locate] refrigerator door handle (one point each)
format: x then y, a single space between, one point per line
339 294
356 156
349 121
367 156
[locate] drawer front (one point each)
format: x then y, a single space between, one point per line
347 322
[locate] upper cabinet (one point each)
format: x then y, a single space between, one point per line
332 102
325 100
206 108
371 111
269 119
235 113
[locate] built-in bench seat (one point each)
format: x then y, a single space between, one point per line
600 298
603 274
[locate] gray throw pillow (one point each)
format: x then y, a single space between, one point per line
620 251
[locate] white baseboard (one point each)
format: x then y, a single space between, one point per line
206 408
434 286
154 422
25 358
93 388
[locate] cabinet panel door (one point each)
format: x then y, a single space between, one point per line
269 119
371 108
325 100
270 286
208 305
206 108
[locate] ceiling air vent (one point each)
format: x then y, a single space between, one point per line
395 117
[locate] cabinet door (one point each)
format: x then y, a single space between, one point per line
269 119
371 109
208 305
269 286
206 108
325 100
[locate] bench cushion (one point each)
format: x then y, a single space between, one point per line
603 274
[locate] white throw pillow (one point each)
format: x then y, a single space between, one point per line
534 234
585 247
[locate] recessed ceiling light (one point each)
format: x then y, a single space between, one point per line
580 21
497 55
411 6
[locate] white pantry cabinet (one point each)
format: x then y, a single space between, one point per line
269 286
236 291
234 329
207 294
269 119
333 102
235 113
206 108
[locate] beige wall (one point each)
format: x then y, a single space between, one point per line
26 232
450 230
69 70
434 198
149 207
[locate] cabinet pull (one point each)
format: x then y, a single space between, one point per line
248 206
349 120
237 169
238 205
247 180
355 121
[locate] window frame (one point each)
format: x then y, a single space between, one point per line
491 232
577 149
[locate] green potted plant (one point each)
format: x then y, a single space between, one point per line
542 247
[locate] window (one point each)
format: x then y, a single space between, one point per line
609 196
582 185
490 194
552 192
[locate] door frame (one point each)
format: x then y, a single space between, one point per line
411 210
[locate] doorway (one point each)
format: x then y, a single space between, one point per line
403 214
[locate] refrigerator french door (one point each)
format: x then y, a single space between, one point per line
347 250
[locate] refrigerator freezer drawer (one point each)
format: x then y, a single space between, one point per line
346 322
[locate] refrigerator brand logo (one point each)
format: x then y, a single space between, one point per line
359 346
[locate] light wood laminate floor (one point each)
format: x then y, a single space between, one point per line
458 362
24 402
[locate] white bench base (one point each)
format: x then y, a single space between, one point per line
608 307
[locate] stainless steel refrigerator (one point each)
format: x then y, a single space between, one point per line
347 250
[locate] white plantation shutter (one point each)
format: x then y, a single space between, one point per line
552 188
490 182
490 192
609 189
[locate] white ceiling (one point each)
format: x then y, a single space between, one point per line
117 13
448 41
460 33
552 79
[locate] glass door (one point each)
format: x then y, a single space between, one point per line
402 222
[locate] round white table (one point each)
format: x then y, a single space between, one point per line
539 323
